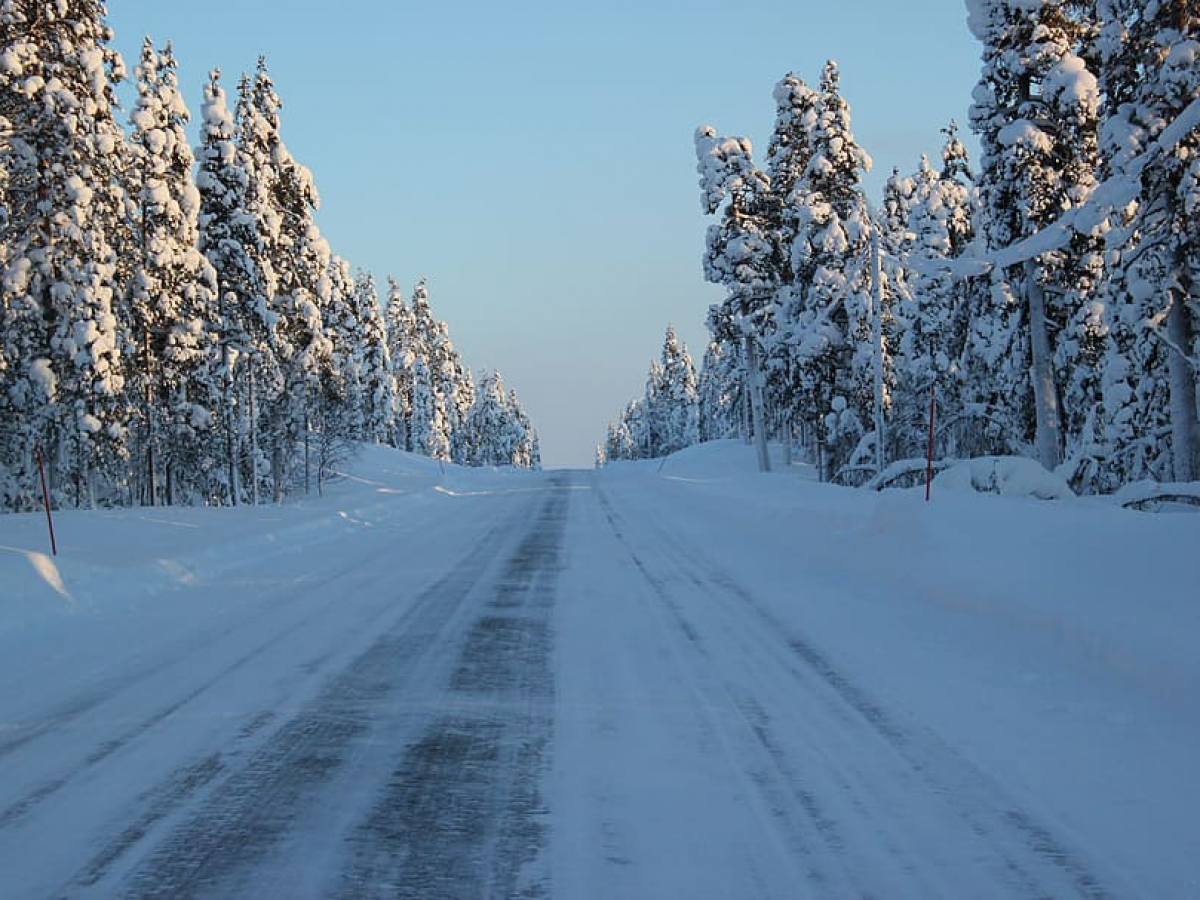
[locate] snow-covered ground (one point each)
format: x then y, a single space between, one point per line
665 679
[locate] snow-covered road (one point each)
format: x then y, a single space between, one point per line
565 685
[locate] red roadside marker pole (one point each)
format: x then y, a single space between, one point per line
929 452
46 501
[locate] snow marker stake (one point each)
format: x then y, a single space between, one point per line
46 501
929 453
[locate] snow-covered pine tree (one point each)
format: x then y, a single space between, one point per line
232 245
653 409
675 398
64 159
1035 111
932 312
826 320
527 454
720 393
725 386
743 253
490 431
1151 82
258 146
173 369
666 418
373 364
299 259
426 423
403 351
634 430
340 406
788 157
452 389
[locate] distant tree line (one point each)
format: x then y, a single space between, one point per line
175 329
1050 301
665 418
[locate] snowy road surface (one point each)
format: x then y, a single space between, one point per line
572 685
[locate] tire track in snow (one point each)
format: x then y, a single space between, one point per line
242 814
801 834
1013 837
70 710
462 815
222 846
110 746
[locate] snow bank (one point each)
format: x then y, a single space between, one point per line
117 562
1009 476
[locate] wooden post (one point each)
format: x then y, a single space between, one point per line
46 501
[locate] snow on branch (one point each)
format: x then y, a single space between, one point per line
1112 194
1144 494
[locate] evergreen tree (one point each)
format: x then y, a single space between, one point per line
426 424
258 151
1150 79
452 389
527 453
675 399
721 406
231 243
172 369
64 163
341 401
826 322
373 364
932 313
491 434
1035 111
403 350
744 254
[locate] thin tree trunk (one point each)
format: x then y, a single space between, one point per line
877 339
231 436
1185 431
756 405
253 441
1045 391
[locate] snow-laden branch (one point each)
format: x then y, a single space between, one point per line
1111 194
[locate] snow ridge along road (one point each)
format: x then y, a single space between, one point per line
558 685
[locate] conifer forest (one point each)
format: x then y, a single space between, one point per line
175 329
1043 302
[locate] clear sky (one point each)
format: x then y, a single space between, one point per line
534 160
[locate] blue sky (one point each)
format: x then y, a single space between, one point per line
534 160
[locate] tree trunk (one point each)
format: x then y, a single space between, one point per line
756 405
877 340
1185 431
253 441
1048 438
231 442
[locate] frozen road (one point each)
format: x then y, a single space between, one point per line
545 690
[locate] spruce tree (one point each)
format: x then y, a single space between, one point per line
373 364
173 371
403 351
932 313
826 321
1150 80
1035 111
231 243
64 160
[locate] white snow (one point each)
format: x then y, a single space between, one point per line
762 686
